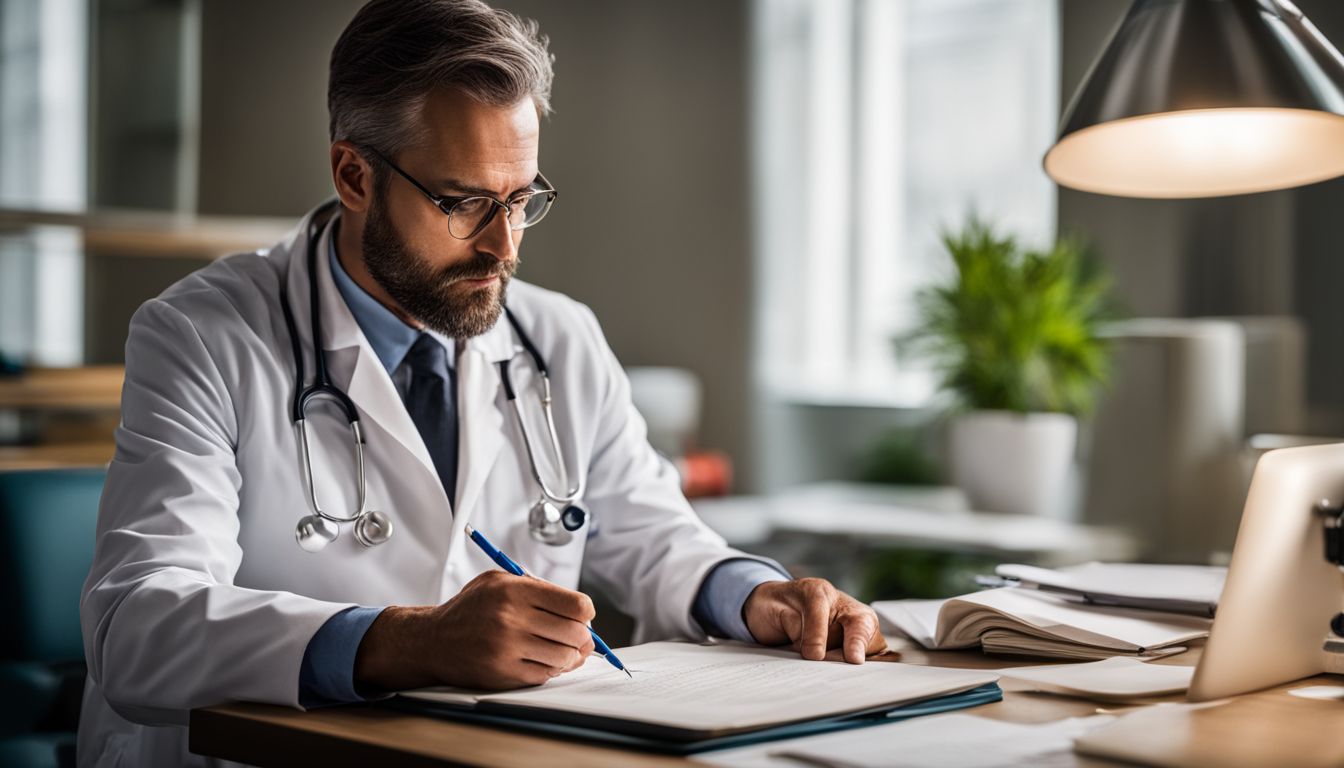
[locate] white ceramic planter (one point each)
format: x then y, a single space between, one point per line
1013 462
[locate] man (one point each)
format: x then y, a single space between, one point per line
199 594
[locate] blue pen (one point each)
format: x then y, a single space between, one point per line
505 562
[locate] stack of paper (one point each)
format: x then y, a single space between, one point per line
1028 622
1191 589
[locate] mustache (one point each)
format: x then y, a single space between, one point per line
480 267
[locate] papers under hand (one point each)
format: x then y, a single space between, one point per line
1026 622
723 688
719 689
1120 678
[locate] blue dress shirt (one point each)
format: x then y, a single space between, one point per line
326 675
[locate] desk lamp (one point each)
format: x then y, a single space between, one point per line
1205 98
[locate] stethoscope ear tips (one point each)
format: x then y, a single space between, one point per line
314 533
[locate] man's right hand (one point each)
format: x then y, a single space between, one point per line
501 631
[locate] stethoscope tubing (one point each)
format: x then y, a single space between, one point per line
571 494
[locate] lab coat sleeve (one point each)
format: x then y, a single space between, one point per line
165 628
651 553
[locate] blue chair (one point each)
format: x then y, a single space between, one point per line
47 524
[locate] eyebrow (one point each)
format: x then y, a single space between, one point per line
467 189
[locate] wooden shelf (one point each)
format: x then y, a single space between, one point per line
56 455
155 233
90 388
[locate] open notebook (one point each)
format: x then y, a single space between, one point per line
686 692
1028 622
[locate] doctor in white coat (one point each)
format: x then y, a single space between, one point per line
199 593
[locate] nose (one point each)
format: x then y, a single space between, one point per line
497 239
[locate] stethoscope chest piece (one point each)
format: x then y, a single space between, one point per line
315 532
373 528
548 523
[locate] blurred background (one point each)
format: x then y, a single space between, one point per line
754 196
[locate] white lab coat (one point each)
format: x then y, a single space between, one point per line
199 594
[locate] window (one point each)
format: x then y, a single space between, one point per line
42 166
877 123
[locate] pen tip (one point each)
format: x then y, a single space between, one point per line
627 674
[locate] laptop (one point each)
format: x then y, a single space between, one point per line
1273 620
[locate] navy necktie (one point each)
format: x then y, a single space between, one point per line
431 403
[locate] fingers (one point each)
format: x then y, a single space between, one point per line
548 626
556 657
585 650
815 616
562 602
860 631
816 610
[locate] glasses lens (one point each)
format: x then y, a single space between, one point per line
468 215
525 213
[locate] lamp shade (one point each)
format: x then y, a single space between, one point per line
1201 98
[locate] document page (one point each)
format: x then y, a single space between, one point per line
947 741
1120 678
730 686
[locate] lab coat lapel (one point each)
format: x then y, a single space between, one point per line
480 423
354 365
480 418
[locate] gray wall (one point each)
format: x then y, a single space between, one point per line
648 149
264 104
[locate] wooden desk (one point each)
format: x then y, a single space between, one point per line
1233 734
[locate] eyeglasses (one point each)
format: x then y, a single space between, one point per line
467 216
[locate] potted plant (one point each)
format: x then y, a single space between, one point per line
1014 335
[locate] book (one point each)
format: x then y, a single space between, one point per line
684 692
1026 622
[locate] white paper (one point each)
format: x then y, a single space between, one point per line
731 686
1119 678
1328 692
916 619
947 741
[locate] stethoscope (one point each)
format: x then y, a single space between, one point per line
555 517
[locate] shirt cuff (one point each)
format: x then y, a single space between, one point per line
724 592
327 675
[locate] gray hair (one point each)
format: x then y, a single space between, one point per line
394 53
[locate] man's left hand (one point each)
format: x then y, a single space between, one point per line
812 616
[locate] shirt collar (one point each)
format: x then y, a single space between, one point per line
390 338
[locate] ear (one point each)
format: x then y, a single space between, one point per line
352 175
